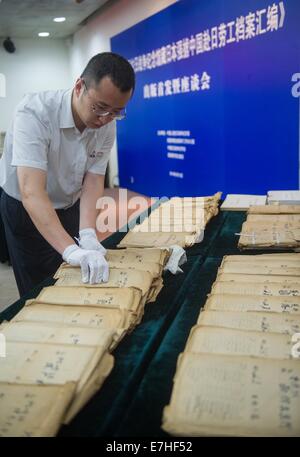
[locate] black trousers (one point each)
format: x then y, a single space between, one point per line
4 257
33 259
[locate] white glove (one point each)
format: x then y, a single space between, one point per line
88 240
178 257
94 268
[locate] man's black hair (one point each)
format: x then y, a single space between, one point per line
112 65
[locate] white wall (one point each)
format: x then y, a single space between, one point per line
45 64
95 37
38 64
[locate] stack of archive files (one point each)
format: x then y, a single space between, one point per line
271 227
58 347
239 374
178 221
287 197
242 202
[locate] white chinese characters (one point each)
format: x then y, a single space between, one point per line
193 83
245 27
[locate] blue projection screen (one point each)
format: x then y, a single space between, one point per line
216 104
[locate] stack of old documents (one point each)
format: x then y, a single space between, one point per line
273 227
287 197
58 346
178 221
242 202
240 372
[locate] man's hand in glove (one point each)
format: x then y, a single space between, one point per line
88 240
94 268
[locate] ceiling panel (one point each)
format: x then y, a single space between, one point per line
25 18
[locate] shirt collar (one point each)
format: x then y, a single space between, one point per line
66 119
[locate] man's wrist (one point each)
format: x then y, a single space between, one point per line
87 232
68 251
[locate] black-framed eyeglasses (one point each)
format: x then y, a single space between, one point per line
102 112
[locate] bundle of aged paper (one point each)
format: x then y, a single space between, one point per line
220 395
58 346
178 221
288 197
239 374
276 228
274 209
242 202
31 410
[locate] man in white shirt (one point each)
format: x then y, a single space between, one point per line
52 172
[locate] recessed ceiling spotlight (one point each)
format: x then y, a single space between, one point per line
59 19
44 34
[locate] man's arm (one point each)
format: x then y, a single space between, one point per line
36 201
32 183
93 188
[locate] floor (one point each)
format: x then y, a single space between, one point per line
119 208
8 288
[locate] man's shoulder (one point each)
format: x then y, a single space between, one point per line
41 103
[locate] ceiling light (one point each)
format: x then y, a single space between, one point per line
44 34
59 19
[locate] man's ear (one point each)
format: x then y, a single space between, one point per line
78 87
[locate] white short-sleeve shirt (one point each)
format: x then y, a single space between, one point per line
43 135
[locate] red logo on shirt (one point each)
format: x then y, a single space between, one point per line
94 154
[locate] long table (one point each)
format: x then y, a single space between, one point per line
131 401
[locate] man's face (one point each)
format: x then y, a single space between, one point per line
99 99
